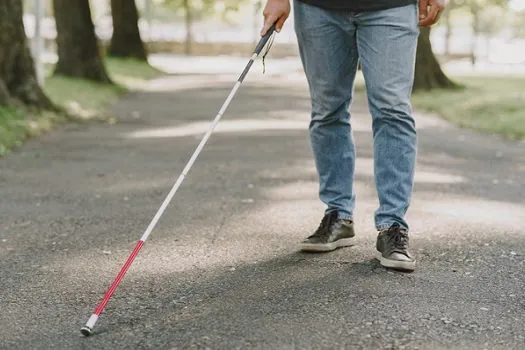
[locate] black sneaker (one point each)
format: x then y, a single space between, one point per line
331 234
392 243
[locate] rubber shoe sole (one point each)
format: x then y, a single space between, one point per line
327 247
397 264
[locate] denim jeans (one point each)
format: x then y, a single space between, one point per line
331 43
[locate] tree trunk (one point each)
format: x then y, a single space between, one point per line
448 30
126 41
77 44
475 35
256 25
428 74
187 20
18 81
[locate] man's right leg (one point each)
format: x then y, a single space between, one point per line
328 50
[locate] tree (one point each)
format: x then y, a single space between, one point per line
77 45
476 9
491 21
518 24
187 22
195 10
126 41
257 7
428 73
18 81
447 19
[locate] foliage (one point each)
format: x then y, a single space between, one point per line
478 5
492 20
489 16
518 24
206 8
15 126
88 99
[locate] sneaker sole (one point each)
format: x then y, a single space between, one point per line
398 264
328 247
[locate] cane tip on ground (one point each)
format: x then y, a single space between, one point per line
86 331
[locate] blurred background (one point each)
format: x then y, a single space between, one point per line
481 35
470 66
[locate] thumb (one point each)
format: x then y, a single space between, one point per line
423 9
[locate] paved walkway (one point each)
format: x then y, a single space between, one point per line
221 269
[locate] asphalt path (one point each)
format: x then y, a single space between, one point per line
221 270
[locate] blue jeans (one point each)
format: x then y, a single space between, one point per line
330 45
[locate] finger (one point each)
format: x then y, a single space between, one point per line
431 16
423 9
280 23
268 21
438 16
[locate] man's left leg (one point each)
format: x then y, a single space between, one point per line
387 41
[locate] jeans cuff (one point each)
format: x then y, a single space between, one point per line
344 216
340 215
382 227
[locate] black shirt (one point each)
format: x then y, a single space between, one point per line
359 5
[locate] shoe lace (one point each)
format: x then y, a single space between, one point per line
324 227
398 238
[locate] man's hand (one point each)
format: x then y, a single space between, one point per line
429 11
276 11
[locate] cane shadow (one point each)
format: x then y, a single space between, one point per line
289 280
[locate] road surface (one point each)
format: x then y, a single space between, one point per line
221 269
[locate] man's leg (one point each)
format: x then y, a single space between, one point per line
328 50
387 43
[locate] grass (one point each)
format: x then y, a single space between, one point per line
17 125
487 104
88 99
13 128
85 100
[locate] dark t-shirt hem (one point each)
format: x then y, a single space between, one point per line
358 6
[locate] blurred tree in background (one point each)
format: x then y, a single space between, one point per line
491 22
197 10
126 41
485 19
518 24
428 74
77 45
481 19
446 19
18 81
